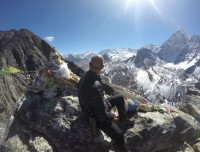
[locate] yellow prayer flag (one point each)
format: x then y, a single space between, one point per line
12 69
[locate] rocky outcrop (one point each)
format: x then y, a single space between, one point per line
11 89
192 69
191 103
197 85
24 50
155 132
75 69
61 122
144 57
196 146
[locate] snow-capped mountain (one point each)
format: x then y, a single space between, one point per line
154 48
114 55
180 47
109 55
81 60
76 57
157 72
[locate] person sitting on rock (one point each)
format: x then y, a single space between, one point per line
91 98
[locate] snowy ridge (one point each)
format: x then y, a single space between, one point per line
117 54
153 48
158 72
154 83
81 60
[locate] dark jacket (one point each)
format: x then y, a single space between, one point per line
90 94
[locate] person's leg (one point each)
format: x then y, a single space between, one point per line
118 101
115 133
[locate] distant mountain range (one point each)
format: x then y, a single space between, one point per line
157 72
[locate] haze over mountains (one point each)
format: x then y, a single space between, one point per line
156 72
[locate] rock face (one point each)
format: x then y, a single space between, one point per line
61 122
155 132
178 45
11 88
24 50
144 57
191 103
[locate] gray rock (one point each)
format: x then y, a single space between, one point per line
26 51
144 57
187 147
160 132
191 103
196 147
62 123
40 144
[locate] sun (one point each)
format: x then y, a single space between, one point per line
141 5
141 2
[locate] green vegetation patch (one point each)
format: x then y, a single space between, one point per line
198 132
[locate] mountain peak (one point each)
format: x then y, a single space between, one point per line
23 49
88 53
179 34
177 44
181 30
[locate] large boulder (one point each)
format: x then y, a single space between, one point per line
61 122
156 132
191 103
195 148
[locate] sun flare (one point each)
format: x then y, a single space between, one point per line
141 6
141 3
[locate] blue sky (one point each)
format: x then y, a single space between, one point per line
77 26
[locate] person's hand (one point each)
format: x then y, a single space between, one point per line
113 115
